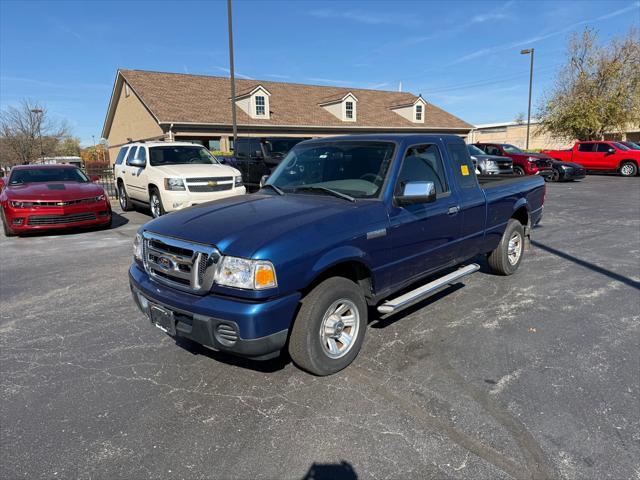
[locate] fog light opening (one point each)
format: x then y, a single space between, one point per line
18 221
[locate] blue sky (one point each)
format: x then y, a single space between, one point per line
460 55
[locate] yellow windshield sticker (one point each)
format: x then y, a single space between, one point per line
464 169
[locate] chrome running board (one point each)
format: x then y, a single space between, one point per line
396 304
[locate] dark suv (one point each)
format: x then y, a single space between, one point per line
256 157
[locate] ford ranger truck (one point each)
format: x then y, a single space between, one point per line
603 156
342 224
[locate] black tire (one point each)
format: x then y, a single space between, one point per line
153 195
518 171
628 169
554 177
306 342
123 198
7 230
499 260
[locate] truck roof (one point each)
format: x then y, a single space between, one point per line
388 137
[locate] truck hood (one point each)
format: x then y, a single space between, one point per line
191 170
241 225
53 191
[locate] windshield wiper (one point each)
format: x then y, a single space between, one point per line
311 188
278 190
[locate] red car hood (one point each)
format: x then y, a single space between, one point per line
50 191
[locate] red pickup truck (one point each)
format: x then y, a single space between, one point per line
597 155
524 163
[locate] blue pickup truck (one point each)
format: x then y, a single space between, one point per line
343 224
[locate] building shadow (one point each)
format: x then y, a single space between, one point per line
331 471
591 266
264 366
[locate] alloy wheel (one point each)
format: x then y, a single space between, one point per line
339 328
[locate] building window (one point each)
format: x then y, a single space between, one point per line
259 105
214 145
127 92
348 110
418 113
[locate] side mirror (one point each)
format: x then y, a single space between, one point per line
611 151
137 162
94 178
417 192
263 180
258 154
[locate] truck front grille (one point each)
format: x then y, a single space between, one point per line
179 264
212 184
60 219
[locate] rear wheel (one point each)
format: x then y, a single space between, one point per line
518 171
628 169
330 327
123 198
507 256
155 202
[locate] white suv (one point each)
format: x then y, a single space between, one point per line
169 176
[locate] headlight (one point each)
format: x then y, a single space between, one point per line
532 159
137 247
100 198
244 273
566 167
174 184
237 181
17 204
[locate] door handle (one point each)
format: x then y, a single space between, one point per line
453 210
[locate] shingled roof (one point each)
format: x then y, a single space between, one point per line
198 99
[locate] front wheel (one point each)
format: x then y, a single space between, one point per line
155 202
628 169
7 231
518 171
554 177
507 256
329 329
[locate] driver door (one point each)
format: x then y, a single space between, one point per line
423 236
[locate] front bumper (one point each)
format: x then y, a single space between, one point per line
247 328
173 200
23 220
575 174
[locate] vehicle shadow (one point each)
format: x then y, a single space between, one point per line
331 471
263 366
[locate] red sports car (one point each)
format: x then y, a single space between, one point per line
48 197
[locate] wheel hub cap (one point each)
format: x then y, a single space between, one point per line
514 250
339 328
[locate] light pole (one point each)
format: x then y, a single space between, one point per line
233 80
529 51
39 112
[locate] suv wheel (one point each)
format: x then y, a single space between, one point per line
155 202
628 169
518 171
329 329
123 198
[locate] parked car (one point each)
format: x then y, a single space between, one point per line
51 197
343 223
524 163
257 157
631 145
169 176
566 171
601 155
489 164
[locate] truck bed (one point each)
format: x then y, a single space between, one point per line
491 181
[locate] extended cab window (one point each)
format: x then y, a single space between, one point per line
121 155
603 148
585 147
422 163
462 165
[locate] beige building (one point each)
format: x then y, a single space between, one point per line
168 106
516 134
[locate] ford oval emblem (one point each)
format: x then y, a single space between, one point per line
165 263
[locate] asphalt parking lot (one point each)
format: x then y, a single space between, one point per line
529 377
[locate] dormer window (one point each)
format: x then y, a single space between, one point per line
348 110
260 106
413 111
418 113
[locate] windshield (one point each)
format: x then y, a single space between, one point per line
357 169
511 149
621 146
632 145
180 154
280 147
473 150
20 176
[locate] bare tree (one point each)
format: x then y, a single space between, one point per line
598 90
27 132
